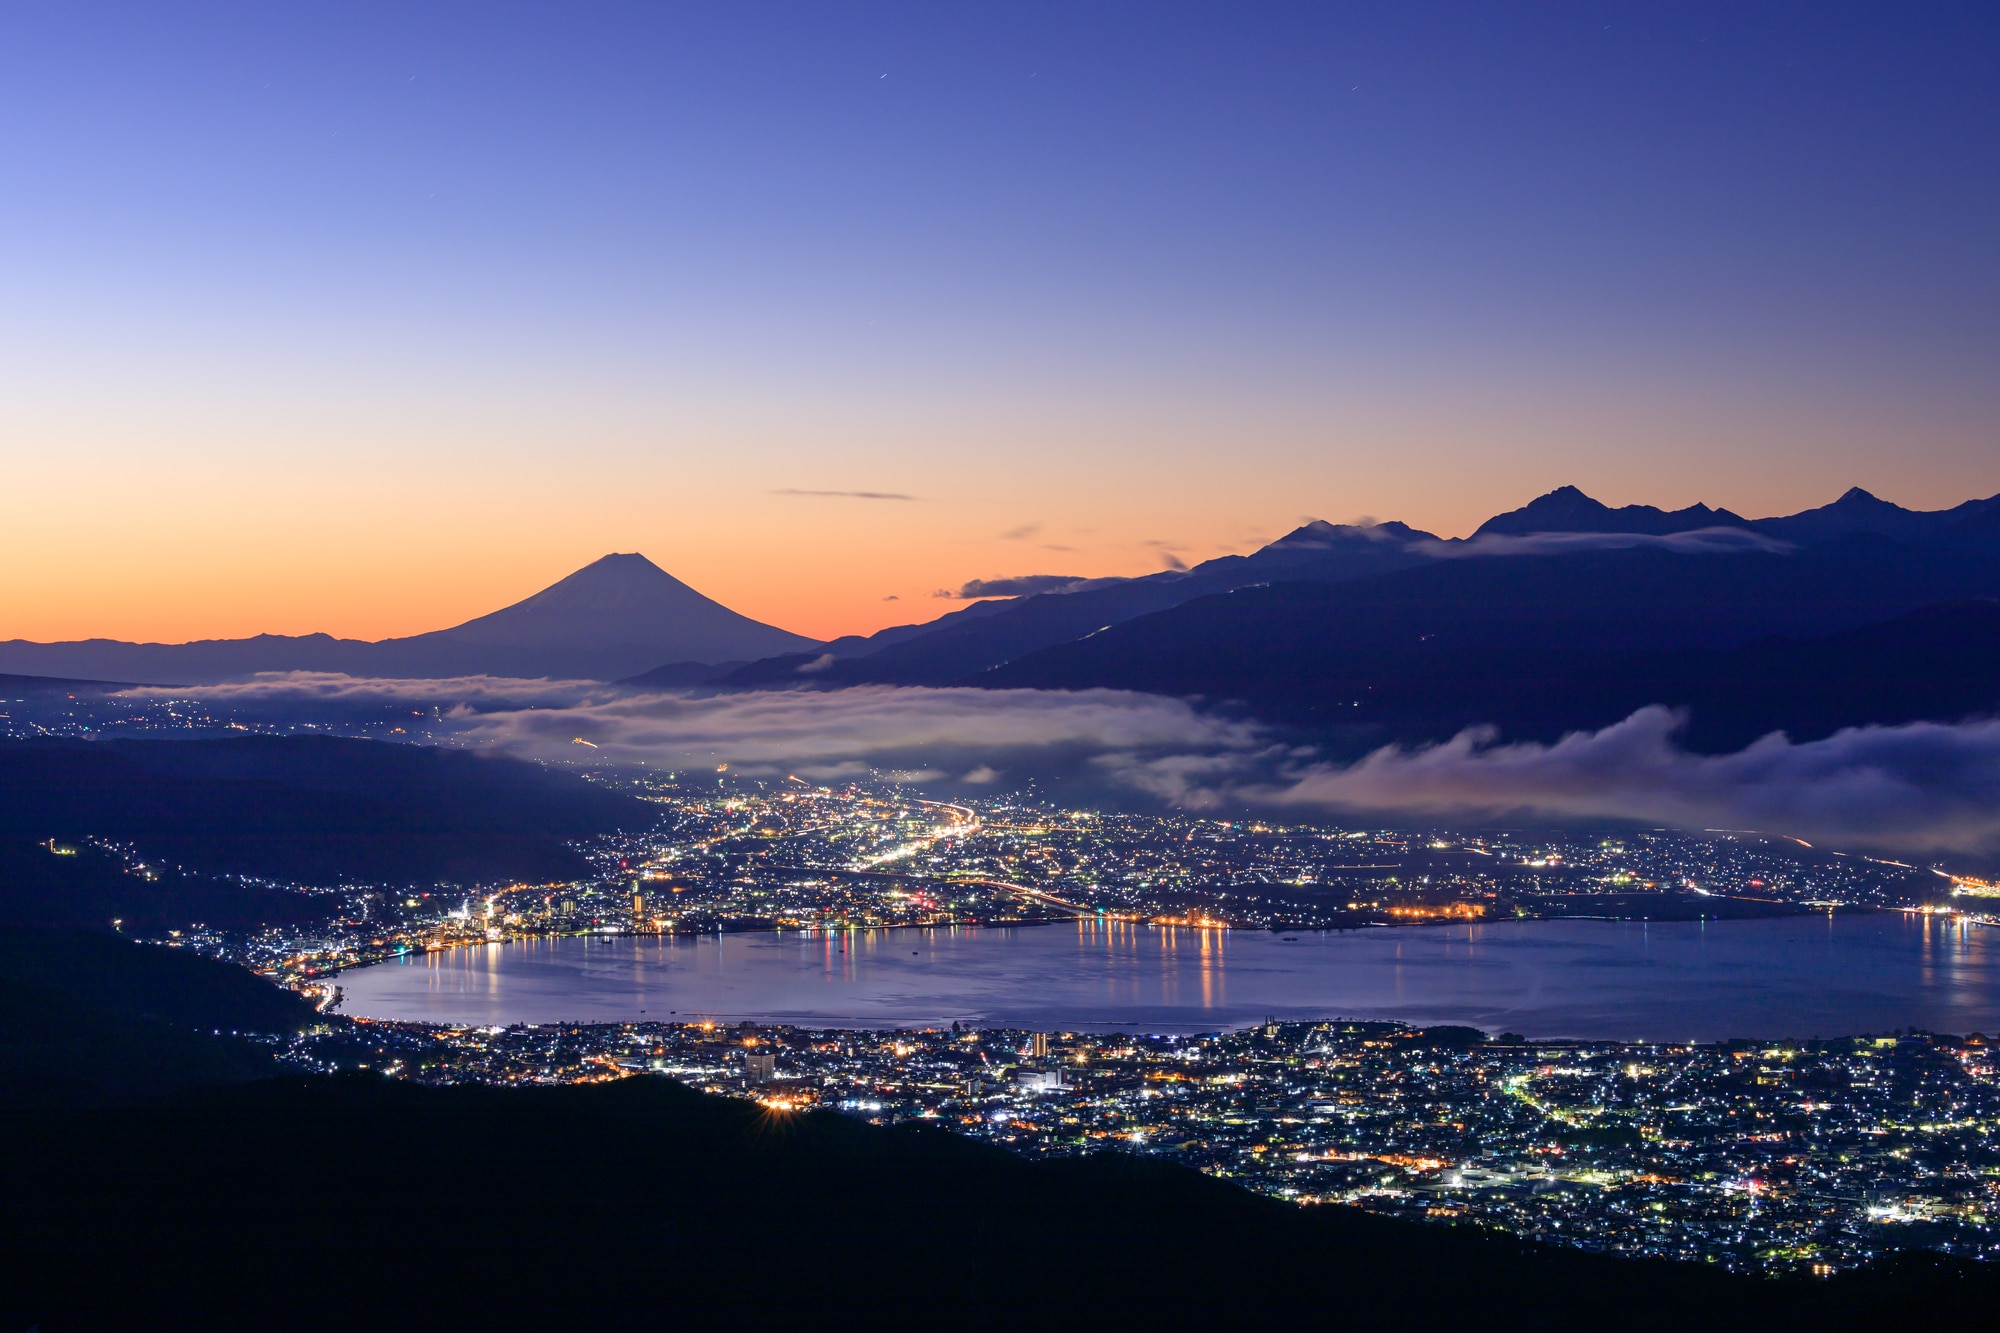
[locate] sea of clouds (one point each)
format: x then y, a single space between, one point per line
1922 787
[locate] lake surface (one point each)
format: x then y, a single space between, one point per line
1820 975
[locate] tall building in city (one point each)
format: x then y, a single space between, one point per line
1038 1045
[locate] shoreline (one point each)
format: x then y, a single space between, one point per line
1692 983
1275 928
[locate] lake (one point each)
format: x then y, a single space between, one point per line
1818 975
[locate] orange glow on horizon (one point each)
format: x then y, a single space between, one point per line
128 538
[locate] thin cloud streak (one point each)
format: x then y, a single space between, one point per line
1701 541
308 687
845 495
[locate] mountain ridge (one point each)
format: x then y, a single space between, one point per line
1568 509
622 618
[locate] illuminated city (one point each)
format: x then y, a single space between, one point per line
1802 1156
1790 1157
752 854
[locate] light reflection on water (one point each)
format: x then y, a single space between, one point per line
1817 975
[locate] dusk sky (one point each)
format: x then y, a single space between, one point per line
369 319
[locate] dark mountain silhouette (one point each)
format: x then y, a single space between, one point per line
161 1216
1539 645
1859 512
680 675
13 687
89 1019
1389 632
304 809
176 986
1939 664
1567 509
620 615
980 637
73 885
613 618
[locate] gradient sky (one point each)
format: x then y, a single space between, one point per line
369 319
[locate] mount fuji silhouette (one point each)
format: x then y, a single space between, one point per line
613 618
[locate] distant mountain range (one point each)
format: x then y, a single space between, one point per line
1562 614
1565 613
612 618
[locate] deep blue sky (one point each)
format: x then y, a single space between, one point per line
306 298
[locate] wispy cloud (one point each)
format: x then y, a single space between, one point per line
310 687
844 495
1021 585
1702 541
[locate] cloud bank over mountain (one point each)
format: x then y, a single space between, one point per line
946 730
985 736
1921 787
1701 541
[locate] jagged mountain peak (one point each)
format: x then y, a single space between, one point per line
1568 509
1318 533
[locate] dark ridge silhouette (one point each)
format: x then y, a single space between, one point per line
59 1051
83 888
680 675
1542 645
1567 509
91 1020
642 1202
150 981
1857 512
311 809
957 648
1938 664
11 686
974 640
154 1180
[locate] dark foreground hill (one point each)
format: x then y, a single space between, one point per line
76 886
151 1179
310 809
89 1019
355 1202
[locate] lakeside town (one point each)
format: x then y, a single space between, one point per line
753 854
1788 1157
